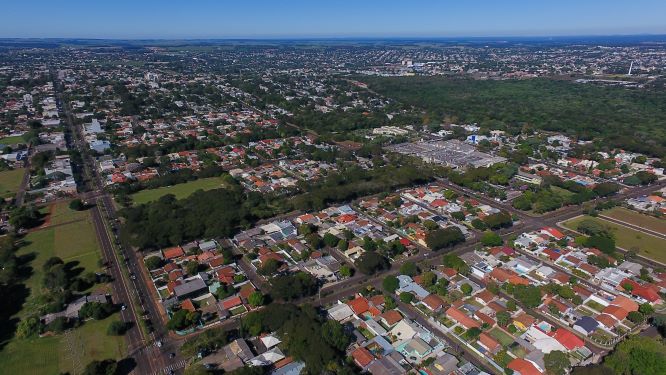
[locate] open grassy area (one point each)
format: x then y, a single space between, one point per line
648 246
57 354
61 213
501 336
180 191
10 182
71 242
636 218
12 140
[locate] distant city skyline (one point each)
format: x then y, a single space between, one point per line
152 19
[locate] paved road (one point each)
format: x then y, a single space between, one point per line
149 359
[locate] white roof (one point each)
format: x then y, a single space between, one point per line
270 341
340 312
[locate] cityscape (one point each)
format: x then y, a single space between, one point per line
311 204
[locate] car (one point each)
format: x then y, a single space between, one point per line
123 307
172 355
158 343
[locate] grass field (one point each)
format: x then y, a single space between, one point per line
59 354
180 191
12 140
501 336
71 242
61 213
53 355
648 246
636 218
10 182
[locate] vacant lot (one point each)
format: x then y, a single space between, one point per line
636 218
647 245
10 182
12 140
180 190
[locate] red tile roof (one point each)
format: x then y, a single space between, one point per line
173 252
362 357
568 339
489 342
391 317
359 305
524 367
232 302
461 318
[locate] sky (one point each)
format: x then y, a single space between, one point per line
192 19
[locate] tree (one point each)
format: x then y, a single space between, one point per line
557 362
479 224
406 297
153 262
192 267
646 308
289 287
490 238
330 240
409 269
458 215
606 188
183 319
76 205
28 327
472 334
638 355
390 283
635 317
105 367
389 303
346 271
428 279
466 289
447 237
511 305
603 243
454 261
117 328
256 298
334 334
503 318
498 220
269 267
314 241
370 262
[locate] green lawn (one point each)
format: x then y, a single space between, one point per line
71 242
12 140
180 190
10 182
61 213
648 246
501 336
57 354
638 219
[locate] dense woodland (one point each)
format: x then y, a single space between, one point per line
634 119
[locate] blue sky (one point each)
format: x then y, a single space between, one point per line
334 18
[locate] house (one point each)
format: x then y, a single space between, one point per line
552 232
190 288
173 253
523 367
444 364
390 318
414 349
359 305
340 312
386 365
460 317
523 321
568 339
586 325
362 357
433 302
489 343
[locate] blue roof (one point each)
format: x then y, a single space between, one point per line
587 323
